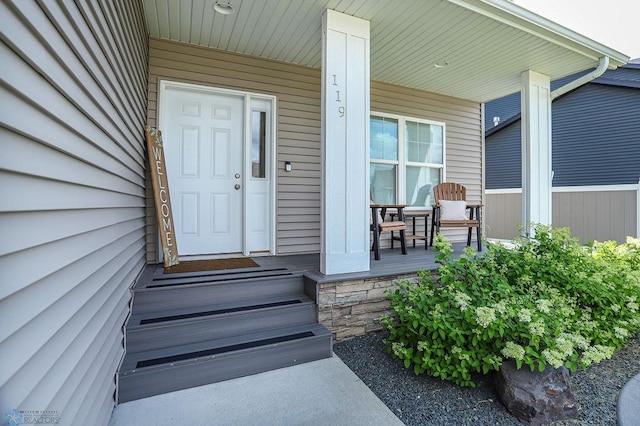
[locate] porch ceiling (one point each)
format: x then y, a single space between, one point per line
486 43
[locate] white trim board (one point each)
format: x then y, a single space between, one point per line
592 188
272 164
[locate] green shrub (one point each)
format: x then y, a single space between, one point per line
546 301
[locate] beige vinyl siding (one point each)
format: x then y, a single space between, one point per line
73 92
591 215
298 129
597 215
503 216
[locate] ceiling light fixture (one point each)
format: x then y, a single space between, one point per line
223 8
441 64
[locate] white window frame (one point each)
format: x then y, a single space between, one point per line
401 164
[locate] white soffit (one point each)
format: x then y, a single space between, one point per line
486 43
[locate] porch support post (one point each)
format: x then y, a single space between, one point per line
345 144
536 149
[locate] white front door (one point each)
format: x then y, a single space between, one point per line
203 137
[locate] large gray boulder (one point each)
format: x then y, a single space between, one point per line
537 398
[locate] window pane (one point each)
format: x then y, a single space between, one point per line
423 142
420 183
384 138
258 143
383 183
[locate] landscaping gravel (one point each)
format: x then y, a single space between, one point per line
424 400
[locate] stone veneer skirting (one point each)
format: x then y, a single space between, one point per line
352 308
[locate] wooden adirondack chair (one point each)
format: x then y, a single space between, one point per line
449 191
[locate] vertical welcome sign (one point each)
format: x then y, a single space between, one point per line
161 196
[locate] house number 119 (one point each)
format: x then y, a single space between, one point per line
341 109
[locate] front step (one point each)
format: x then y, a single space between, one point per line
191 329
166 370
191 292
177 328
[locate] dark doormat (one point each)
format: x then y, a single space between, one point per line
212 265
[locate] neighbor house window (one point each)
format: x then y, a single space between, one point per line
407 159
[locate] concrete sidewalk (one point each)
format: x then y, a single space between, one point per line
316 393
629 403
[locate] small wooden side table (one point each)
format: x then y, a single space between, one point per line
413 214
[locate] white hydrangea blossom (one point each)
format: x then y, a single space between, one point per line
553 357
463 300
485 316
398 349
595 354
621 333
524 315
544 305
513 350
501 306
564 345
537 328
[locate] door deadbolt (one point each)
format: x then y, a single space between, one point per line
237 175
237 186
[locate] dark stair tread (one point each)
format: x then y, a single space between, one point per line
199 312
179 280
203 294
170 377
131 360
187 331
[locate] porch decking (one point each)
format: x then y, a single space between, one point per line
392 263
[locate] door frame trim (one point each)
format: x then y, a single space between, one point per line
272 164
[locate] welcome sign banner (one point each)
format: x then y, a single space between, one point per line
161 196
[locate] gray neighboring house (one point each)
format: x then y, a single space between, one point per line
596 159
80 80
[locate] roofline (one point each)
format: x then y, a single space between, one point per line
503 124
521 18
631 84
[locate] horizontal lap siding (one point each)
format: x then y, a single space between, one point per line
297 90
597 215
596 136
74 80
591 215
503 216
463 121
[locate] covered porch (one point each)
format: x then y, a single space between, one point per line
338 66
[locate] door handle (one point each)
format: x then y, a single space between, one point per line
237 186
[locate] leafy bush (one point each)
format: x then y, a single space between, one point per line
549 300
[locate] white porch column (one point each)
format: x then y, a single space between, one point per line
345 144
536 148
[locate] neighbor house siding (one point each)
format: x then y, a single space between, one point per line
596 136
74 79
504 159
595 129
592 213
298 129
